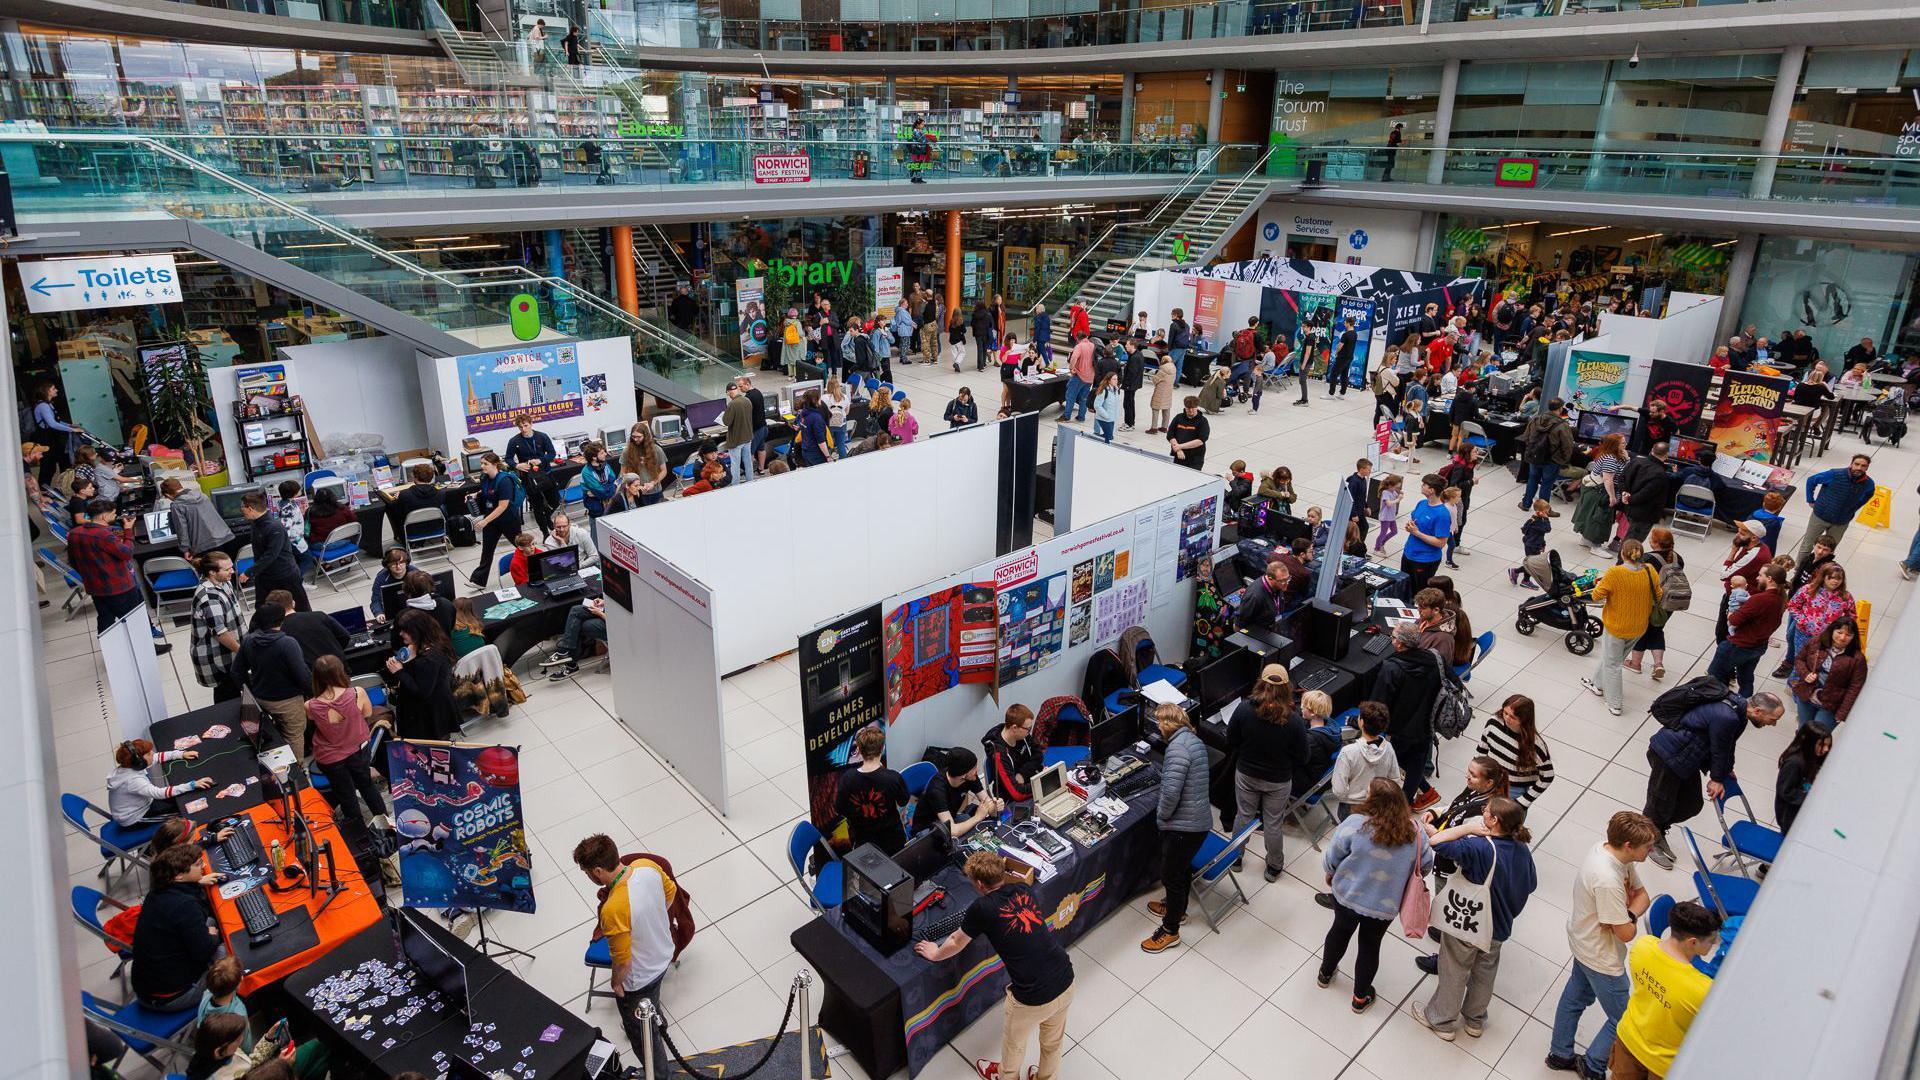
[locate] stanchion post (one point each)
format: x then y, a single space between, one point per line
647 1019
803 986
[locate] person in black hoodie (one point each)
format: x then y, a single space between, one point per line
270 665
275 566
1269 741
421 596
1643 487
981 324
1012 758
418 495
173 944
317 633
1133 374
421 674
1408 684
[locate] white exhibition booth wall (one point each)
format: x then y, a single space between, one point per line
726 580
1158 292
1684 334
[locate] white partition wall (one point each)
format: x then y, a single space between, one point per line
1684 334
1100 480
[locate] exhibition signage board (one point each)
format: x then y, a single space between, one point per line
462 834
888 288
1597 380
750 302
1682 388
841 691
938 641
541 381
1361 312
108 281
782 168
1209 296
1749 416
1517 172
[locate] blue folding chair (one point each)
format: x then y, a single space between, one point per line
1213 871
1474 435
1150 673
118 843
306 482
146 1032
506 561
1314 798
1482 648
1725 893
918 775
86 910
340 555
76 589
1657 913
825 891
1747 839
599 958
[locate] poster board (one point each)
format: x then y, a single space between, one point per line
1361 312
542 381
841 691
1682 388
1209 302
462 833
1596 380
1749 416
750 300
936 642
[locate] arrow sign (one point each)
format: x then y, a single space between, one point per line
111 281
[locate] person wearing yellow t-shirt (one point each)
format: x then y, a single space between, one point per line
639 933
1667 993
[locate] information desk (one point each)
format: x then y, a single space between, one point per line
1033 397
512 635
511 1015
894 1010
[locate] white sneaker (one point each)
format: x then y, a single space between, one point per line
1593 688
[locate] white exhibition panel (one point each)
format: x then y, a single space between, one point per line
1109 479
446 418
1685 335
962 714
666 685
788 553
364 385
1158 292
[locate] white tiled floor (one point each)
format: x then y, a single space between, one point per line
1221 1007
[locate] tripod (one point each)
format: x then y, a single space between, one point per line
490 947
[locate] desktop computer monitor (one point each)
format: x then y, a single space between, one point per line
471 460
1225 679
338 485
226 500
613 439
1115 733
157 524
1594 426
393 600
669 428
437 968
1285 529
1680 448
705 414
558 563
924 855
443 584
1356 598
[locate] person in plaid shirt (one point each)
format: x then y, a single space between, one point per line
216 626
103 557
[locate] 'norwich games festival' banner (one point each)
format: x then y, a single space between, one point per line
541 381
463 839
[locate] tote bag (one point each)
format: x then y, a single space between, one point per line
1416 903
1466 910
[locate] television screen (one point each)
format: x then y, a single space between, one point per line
1683 449
705 414
1594 426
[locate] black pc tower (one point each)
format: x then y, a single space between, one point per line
879 899
1324 629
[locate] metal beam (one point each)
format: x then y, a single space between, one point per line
176 21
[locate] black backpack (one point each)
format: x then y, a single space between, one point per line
1537 447
1670 706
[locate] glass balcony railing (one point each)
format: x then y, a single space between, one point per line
384 14
176 184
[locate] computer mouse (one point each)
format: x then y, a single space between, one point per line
260 938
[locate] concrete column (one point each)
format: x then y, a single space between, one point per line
1779 113
1126 106
955 265
889 93
1214 102
1429 237
1746 247
625 283
1442 124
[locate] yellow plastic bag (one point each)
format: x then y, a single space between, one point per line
1878 513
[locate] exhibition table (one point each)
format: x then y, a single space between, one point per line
1032 396
512 635
894 1010
508 1016
1504 433
379 518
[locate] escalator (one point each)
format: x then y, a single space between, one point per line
145 193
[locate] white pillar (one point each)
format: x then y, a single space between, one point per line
1443 121
1773 135
1428 240
1126 106
1214 102
1746 247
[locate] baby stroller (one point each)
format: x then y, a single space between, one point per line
1563 606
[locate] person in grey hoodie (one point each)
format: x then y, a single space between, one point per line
196 524
1183 816
1364 760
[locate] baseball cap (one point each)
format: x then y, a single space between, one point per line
1755 526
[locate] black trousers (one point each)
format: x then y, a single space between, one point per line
979 353
295 585
507 525
1411 749
1126 408
1671 797
635 1030
1177 850
348 776
1418 574
108 609
543 498
1366 963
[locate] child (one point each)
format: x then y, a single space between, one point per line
393 569
1771 505
1533 545
903 426
293 514
523 548
1316 520
710 477
1457 510
1364 760
1737 592
1389 510
1323 740
222 995
1239 484
1410 426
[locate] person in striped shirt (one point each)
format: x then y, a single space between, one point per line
1510 739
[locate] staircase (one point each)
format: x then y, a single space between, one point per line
1205 222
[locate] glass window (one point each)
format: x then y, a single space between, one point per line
1836 291
1704 102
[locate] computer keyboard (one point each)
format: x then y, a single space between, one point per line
242 849
1134 783
1317 679
937 929
1377 643
255 912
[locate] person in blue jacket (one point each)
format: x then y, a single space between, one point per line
1836 495
1702 740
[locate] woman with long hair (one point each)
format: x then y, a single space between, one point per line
1595 517
1368 861
1512 740
1627 594
1660 553
337 734
1183 815
469 631
1268 740
1278 486
1828 672
956 335
1799 765
1106 405
644 458
421 675
1815 607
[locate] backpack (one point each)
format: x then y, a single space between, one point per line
1669 707
1676 592
1453 705
1536 443
792 333
1243 344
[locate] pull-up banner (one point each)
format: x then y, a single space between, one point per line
1682 388
1751 412
463 839
841 691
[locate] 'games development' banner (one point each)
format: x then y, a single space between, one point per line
463 841
841 691
1749 416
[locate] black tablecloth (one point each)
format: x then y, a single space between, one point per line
517 1013
1036 396
226 758
378 518
513 635
900 1009
1505 434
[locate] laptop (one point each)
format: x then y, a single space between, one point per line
354 621
557 571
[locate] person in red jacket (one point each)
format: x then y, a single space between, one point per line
1748 628
1828 674
524 547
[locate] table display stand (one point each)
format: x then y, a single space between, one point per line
493 948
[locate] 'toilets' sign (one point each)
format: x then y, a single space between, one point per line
113 281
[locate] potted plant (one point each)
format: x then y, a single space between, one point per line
179 403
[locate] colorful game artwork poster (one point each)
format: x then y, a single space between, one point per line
1033 623
463 839
1598 379
1682 388
542 381
1748 419
1103 565
1196 537
749 296
1079 624
1361 312
841 691
939 641
1315 331
1082 581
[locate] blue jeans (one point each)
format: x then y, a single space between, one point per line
1540 481
1078 390
1813 713
1584 987
1104 429
1912 561
1795 640
740 462
1734 662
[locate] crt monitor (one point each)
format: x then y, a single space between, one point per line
1594 426
704 414
226 500
337 483
1115 733
437 967
1227 678
558 563
669 428
471 461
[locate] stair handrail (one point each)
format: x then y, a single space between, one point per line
1202 161
559 287
1234 189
